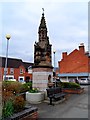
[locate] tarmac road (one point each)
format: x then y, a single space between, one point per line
76 106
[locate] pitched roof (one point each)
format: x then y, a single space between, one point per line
14 63
27 64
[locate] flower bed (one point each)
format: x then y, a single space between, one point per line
71 90
70 87
13 101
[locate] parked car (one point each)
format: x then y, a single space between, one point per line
72 80
84 81
62 80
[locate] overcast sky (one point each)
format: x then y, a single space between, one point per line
67 24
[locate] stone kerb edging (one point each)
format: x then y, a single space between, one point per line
28 113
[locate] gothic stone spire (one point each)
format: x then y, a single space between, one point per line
42 48
43 23
42 29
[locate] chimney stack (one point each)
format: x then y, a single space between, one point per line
81 48
64 55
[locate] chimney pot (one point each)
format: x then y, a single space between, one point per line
81 48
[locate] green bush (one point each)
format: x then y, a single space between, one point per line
10 92
26 87
29 84
13 86
34 90
16 87
69 85
8 109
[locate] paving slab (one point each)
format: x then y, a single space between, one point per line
76 106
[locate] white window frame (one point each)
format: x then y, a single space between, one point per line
30 69
21 71
21 77
8 77
11 70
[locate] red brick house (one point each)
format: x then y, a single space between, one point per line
74 65
16 69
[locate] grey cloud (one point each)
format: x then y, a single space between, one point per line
66 22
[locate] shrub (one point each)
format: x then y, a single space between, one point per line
5 85
26 87
7 95
34 90
12 86
29 84
16 87
69 85
8 109
18 103
10 92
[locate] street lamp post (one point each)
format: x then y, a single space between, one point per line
54 59
7 37
54 66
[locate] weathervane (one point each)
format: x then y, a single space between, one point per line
43 10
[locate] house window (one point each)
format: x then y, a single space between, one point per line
21 79
11 70
30 69
5 71
21 71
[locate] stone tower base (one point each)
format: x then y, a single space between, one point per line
40 77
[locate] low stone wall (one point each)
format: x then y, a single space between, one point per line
27 114
73 91
32 116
